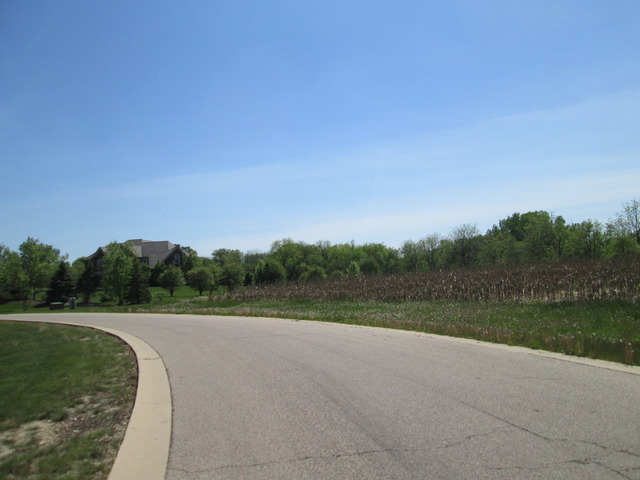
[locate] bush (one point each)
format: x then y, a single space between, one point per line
171 279
270 271
313 274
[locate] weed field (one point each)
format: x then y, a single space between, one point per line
615 279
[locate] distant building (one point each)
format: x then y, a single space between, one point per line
148 252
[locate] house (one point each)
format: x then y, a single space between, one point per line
147 251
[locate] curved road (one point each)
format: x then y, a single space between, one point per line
279 399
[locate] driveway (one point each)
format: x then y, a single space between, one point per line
280 399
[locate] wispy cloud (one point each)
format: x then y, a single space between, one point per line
560 160
579 161
571 139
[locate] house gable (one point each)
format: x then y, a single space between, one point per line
97 258
148 252
174 256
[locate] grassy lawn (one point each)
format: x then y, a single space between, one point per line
38 306
66 394
180 292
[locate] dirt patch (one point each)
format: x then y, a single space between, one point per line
90 415
42 433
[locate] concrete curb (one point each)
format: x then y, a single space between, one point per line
596 363
144 452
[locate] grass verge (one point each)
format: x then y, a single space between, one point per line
607 330
602 329
66 394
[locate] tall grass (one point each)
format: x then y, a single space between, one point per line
613 279
608 330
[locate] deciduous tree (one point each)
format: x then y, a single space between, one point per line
313 274
118 262
232 271
190 260
38 264
270 271
465 245
627 222
13 280
171 279
202 278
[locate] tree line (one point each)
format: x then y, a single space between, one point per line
529 238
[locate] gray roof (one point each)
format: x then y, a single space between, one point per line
154 251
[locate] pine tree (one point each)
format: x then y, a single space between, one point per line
88 282
137 290
61 286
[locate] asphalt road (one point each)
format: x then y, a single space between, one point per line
257 398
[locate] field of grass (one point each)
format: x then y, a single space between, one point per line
608 330
66 394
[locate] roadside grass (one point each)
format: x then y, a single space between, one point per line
607 330
603 329
66 394
159 294
10 308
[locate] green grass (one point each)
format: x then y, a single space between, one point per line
180 292
604 329
608 330
66 394
158 294
10 308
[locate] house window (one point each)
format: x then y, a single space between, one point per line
176 259
145 260
99 266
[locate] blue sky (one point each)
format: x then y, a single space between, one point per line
235 124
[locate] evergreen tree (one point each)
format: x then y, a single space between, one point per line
61 286
88 282
156 271
137 290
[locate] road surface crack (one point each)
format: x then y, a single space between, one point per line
336 456
476 435
537 468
